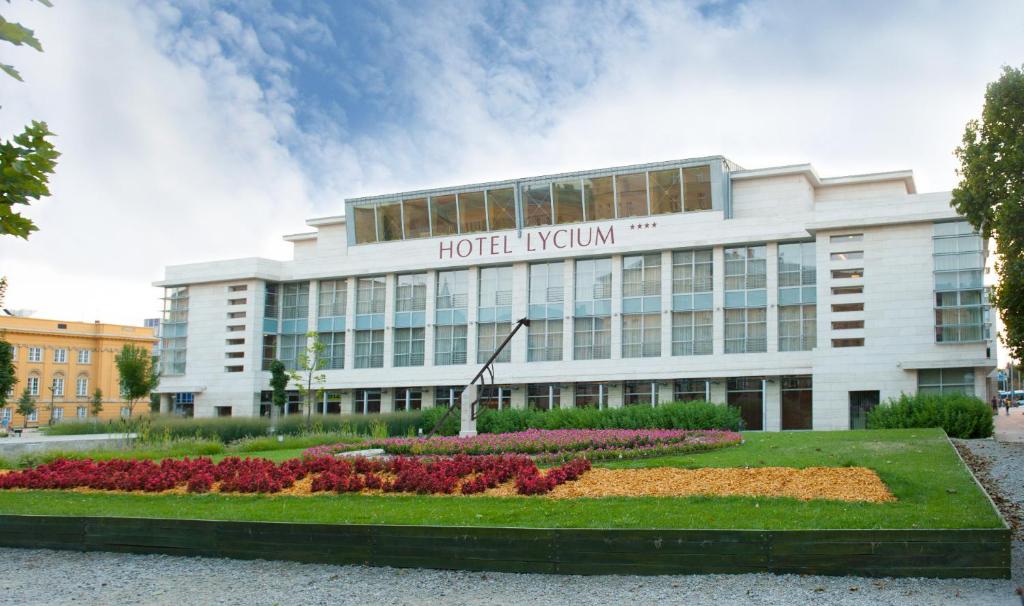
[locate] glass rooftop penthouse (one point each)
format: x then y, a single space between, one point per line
596 195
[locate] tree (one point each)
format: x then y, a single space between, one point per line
991 193
278 382
307 380
96 403
138 375
26 406
7 378
26 161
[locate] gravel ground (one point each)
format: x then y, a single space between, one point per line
52 577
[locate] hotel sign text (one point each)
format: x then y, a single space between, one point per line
561 238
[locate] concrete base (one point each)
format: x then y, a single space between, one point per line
468 426
41 443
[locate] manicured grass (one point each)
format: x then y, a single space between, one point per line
934 490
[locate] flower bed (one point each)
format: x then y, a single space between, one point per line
436 475
552 446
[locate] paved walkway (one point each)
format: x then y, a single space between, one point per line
33 437
36 442
1010 428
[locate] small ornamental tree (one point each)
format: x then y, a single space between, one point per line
26 406
96 403
7 378
138 375
306 378
278 382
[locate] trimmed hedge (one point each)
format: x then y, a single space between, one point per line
231 429
674 415
961 416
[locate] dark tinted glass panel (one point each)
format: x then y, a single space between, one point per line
501 207
417 222
599 198
537 205
697 188
390 216
472 213
666 194
366 224
444 215
568 202
632 190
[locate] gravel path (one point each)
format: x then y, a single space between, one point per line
51 577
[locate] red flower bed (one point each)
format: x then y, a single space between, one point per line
441 475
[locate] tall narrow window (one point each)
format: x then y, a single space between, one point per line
666 191
632 194
173 331
544 341
961 302
389 216
697 188
333 355
747 395
592 323
537 204
369 349
369 329
501 208
365 221
472 212
450 331
444 215
410 319
797 409
641 306
692 316
416 218
798 321
746 300
599 198
568 201
494 313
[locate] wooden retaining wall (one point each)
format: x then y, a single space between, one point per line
900 553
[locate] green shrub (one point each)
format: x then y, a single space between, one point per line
291 442
674 415
961 416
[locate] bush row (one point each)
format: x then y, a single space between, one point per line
961 416
674 415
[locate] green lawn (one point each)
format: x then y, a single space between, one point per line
933 488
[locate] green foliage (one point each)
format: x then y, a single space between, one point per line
25 166
961 416
96 403
7 377
26 404
17 34
308 381
991 193
138 375
278 382
674 415
231 429
272 443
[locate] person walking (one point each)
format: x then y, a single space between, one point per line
995 405
1006 404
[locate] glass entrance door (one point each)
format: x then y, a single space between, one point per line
860 403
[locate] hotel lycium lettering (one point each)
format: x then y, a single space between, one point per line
686 280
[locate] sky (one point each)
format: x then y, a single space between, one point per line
195 130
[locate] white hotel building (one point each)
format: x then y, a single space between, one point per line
801 300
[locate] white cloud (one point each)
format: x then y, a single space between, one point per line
174 151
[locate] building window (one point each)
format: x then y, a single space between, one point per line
945 380
295 301
82 387
798 324
238 288
5 416
495 397
35 354
269 350
847 342
692 333
847 274
236 315
691 390
126 412
408 398
592 325
537 206
58 386
841 307
14 352
846 238
33 386
494 313
333 298
234 368
410 300
961 306
237 301
451 307
33 416
173 331
60 356
57 413
409 346
848 325
271 300
641 335
82 412
369 349
591 395
291 347
847 290
631 194
366 401
640 393
544 341
850 255
746 300
333 355
641 306
543 396
797 409
84 356
370 295
666 190
446 397
747 395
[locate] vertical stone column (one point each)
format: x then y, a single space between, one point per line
772 404
666 307
165 403
387 400
718 300
472 305
520 309
518 395
615 394
568 307
430 315
350 326
389 322
468 425
567 395
616 318
718 390
346 401
772 284
665 391
427 397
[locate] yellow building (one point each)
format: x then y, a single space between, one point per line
62 364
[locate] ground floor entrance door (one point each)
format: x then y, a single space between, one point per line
860 403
